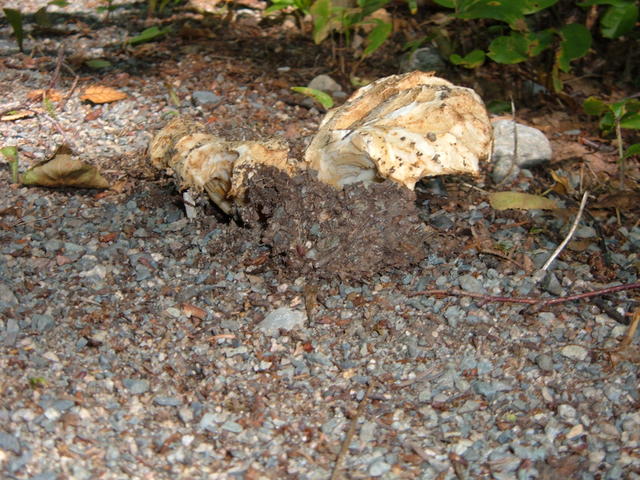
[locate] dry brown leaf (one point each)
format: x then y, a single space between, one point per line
626 200
61 170
12 115
102 94
40 94
192 311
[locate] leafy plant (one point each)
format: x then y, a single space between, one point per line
153 6
148 35
11 154
614 117
14 17
329 19
41 17
619 19
302 6
568 43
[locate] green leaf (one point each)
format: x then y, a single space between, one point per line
632 150
522 201
148 35
321 14
619 20
59 3
594 106
508 11
377 36
319 96
533 6
575 43
509 50
97 64
472 59
630 120
608 121
11 154
277 7
498 106
42 18
14 18
370 6
539 41
446 3
413 6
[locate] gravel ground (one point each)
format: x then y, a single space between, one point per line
135 343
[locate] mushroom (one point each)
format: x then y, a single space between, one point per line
404 128
205 162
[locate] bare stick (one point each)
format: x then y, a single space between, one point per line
527 300
628 338
56 73
570 234
335 475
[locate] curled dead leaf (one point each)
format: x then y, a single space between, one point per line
62 170
12 115
102 94
40 94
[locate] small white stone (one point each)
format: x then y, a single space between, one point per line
575 431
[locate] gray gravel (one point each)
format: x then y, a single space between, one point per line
136 343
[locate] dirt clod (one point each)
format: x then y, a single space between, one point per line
313 228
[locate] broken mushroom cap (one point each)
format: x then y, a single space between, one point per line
205 162
404 127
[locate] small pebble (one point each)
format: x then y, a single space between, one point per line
575 352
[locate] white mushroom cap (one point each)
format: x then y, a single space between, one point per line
403 127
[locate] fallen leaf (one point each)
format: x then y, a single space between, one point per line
12 115
62 170
93 114
562 186
102 94
40 94
108 237
522 201
193 311
626 200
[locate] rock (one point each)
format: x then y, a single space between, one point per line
283 318
167 401
209 422
425 59
325 83
533 149
7 297
379 468
10 443
204 97
551 284
470 283
544 362
135 386
575 352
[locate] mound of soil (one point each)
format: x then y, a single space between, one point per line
314 228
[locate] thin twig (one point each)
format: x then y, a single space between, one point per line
56 73
68 95
335 475
570 234
628 338
528 300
